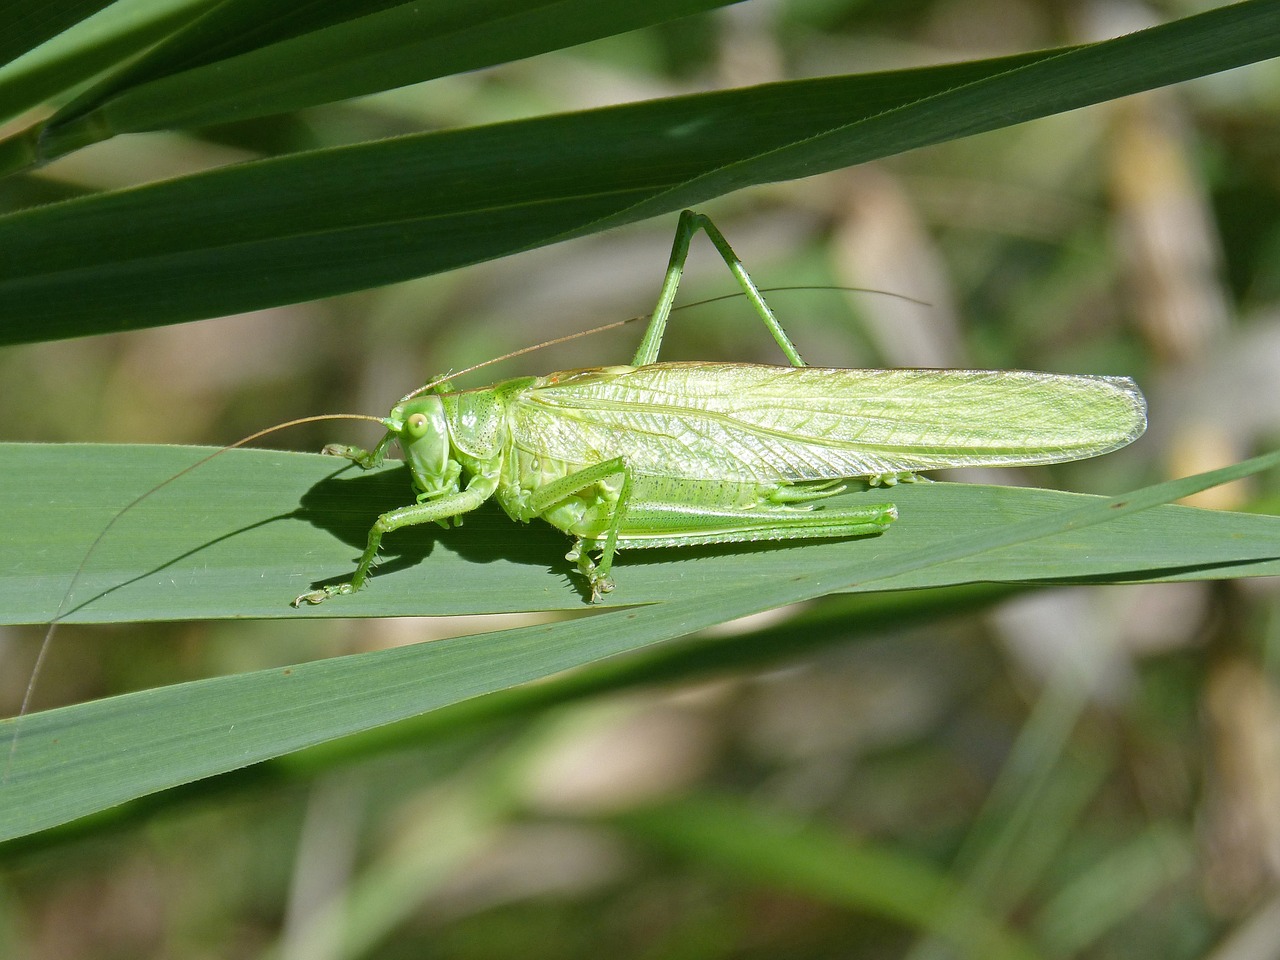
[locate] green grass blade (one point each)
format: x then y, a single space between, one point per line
753 846
75 55
76 760
250 58
244 534
326 222
24 26
835 622
1129 878
1054 82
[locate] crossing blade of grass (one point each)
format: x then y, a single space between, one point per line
28 25
67 763
325 222
248 58
114 32
777 851
831 623
1109 891
245 533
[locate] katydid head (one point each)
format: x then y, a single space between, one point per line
423 433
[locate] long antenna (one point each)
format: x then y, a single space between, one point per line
520 353
46 643
58 614
622 323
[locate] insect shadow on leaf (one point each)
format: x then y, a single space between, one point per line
344 504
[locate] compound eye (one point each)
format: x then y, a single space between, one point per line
416 425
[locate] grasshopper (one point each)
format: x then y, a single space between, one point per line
680 454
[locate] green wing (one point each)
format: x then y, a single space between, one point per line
751 422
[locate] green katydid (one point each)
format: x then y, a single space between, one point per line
680 454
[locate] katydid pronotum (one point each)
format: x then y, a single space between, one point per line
681 454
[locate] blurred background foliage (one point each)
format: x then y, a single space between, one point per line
1079 771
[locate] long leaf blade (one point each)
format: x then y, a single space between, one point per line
98 43
24 26
322 223
244 534
69 762
242 61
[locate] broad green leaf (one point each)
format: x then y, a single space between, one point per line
245 533
247 58
70 762
325 222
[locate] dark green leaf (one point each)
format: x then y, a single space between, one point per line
322 223
247 58
112 36
25 25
